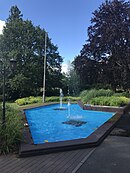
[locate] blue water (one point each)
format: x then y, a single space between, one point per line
46 123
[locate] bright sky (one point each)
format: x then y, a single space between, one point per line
66 21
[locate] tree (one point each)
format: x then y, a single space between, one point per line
73 81
109 41
25 42
88 70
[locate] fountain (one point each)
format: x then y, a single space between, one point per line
73 120
68 109
61 96
61 107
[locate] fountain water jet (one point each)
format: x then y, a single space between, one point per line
73 120
61 107
61 96
68 109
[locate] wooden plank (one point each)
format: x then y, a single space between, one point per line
42 162
22 164
14 164
53 162
56 162
76 160
33 161
6 165
72 162
79 164
59 165
4 160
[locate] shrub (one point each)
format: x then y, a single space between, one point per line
28 100
64 99
72 99
87 95
31 100
100 101
11 135
110 101
125 94
22 101
52 99
84 93
119 101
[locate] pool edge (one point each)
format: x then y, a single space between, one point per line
27 148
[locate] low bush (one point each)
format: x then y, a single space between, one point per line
31 100
28 100
119 101
100 101
11 135
87 95
84 93
22 101
72 99
64 99
110 101
52 99
124 94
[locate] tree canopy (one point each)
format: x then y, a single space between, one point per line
108 44
25 42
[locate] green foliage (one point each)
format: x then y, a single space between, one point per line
84 93
11 135
101 86
1 98
87 70
104 97
103 101
119 101
32 99
72 99
64 99
87 95
19 86
126 94
52 99
73 81
25 42
28 100
110 101
105 56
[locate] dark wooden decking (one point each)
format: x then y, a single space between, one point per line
60 162
112 156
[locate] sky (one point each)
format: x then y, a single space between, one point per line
66 21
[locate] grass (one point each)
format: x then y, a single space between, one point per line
11 135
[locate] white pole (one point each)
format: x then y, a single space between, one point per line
44 75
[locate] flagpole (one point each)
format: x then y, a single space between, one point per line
44 75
